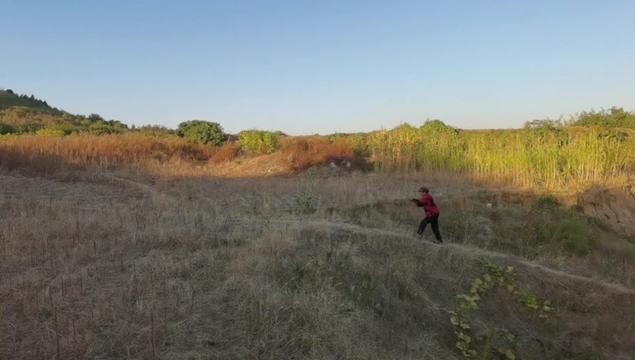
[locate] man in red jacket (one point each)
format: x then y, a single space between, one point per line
432 213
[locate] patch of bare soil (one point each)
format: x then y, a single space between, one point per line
259 166
614 207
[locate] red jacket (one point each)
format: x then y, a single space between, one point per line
427 202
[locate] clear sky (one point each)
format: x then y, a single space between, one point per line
321 66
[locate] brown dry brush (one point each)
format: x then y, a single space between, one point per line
226 153
43 155
305 152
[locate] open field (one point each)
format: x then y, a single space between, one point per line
372 180
324 264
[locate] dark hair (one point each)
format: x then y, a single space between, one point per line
424 189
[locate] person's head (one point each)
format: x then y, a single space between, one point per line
423 189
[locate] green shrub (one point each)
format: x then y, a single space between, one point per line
102 129
548 202
50 132
572 237
6 129
306 202
202 132
258 141
560 229
155 131
613 118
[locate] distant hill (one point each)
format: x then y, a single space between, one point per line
26 114
9 99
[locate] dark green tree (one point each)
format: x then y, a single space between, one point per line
95 118
202 132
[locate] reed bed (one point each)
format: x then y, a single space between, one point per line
548 157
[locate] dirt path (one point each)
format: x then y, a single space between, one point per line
465 250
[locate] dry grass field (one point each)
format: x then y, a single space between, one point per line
107 264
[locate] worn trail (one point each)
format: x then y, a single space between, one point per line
464 250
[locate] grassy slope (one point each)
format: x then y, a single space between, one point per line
242 269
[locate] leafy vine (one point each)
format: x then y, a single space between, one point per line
499 341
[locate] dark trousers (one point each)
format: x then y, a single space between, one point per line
434 223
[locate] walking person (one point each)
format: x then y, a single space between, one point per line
432 213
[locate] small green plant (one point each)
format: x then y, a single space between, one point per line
498 341
306 202
572 236
547 202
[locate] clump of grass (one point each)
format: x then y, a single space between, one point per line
306 202
560 229
227 152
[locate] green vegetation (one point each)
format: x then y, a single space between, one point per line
494 342
613 118
202 132
154 131
22 120
547 156
259 141
50 132
9 99
6 129
22 114
307 202
560 231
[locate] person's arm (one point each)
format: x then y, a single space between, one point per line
417 202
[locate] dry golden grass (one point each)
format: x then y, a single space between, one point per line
210 268
166 156
44 155
226 153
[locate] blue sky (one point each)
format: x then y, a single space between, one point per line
321 66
